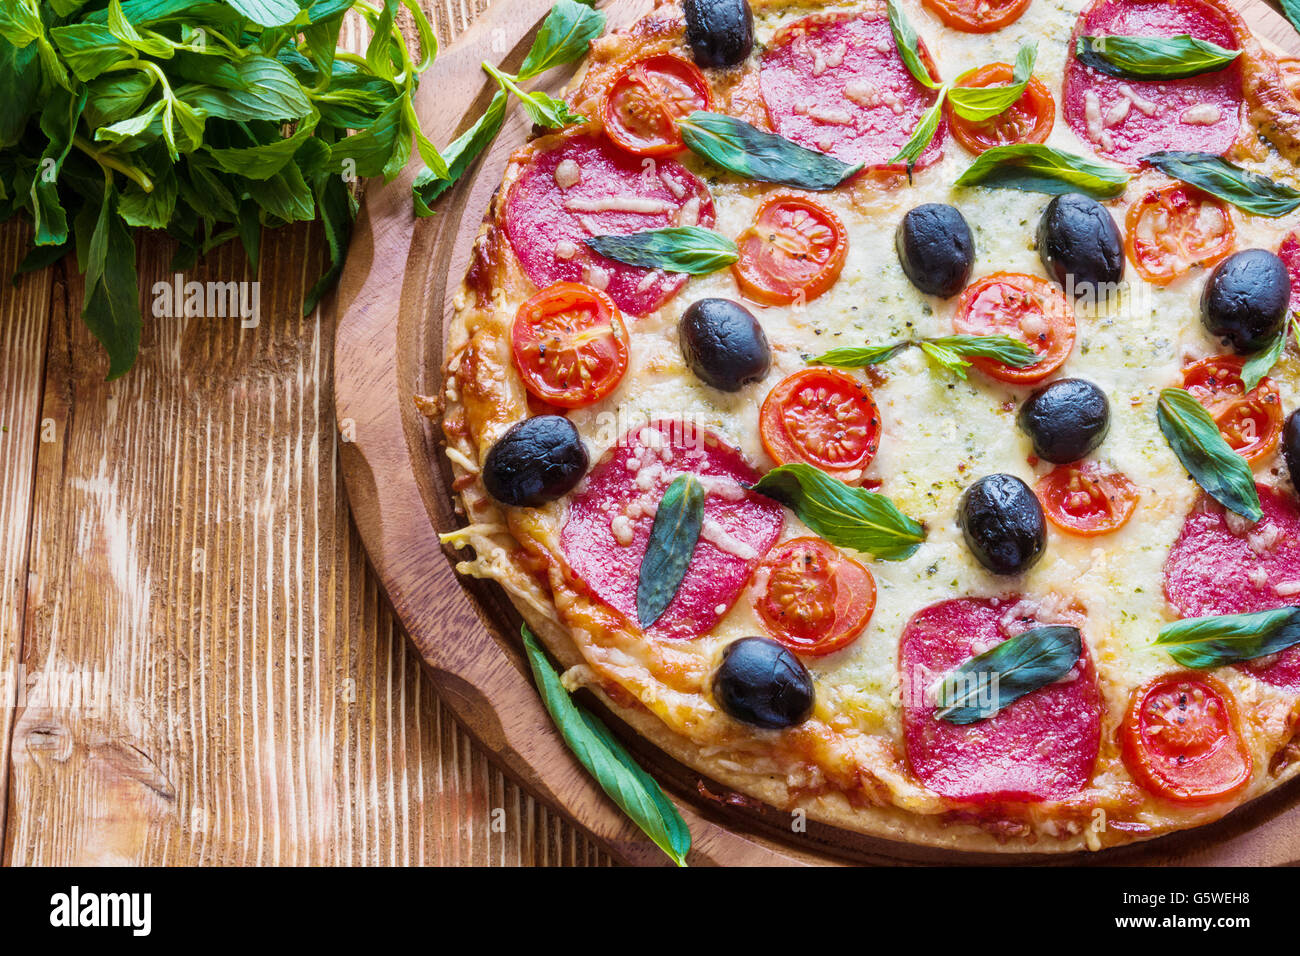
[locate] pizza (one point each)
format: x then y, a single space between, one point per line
854 398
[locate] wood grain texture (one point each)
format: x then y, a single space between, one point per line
212 673
394 299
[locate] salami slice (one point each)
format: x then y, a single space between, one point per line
609 521
585 187
1124 119
836 84
1042 747
1289 253
1222 565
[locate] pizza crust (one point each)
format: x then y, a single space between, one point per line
835 775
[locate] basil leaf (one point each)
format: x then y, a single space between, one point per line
1292 10
634 790
89 49
845 516
542 109
262 88
428 186
859 357
921 137
987 683
267 13
947 351
690 249
979 103
565 35
1248 191
1211 462
1207 642
1033 167
1262 362
112 307
909 46
740 148
673 537
1152 58
951 351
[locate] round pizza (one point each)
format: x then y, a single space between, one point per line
884 408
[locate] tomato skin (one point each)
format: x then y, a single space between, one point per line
795 249
1024 307
1251 424
647 98
1028 120
823 417
965 15
814 599
1083 499
1179 740
569 345
1175 227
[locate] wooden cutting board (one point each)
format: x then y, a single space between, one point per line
393 302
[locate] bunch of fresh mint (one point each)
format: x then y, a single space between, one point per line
206 118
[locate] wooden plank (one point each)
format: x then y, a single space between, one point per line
24 323
193 567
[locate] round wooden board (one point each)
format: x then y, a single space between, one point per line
393 300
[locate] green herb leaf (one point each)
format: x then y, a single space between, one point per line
634 790
747 151
949 351
1207 642
909 46
1152 58
845 516
267 13
952 351
1211 462
542 109
1262 362
1292 10
921 137
987 683
979 103
850 357
112 307
1033 167
673 537
690 249
1248 191
565 35
462 152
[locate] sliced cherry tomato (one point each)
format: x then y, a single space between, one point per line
1023 307
794 251
824 417
1084 499
570 345
815 600
1180 740
1173 228
1028 120
646 100
1250 424
977 16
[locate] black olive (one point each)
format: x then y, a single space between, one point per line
1080 245
762 683
1065 420
1291 447
536 461
720 32
1246 299
1003 524
723 344
935 248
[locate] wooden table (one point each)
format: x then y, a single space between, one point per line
196 665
